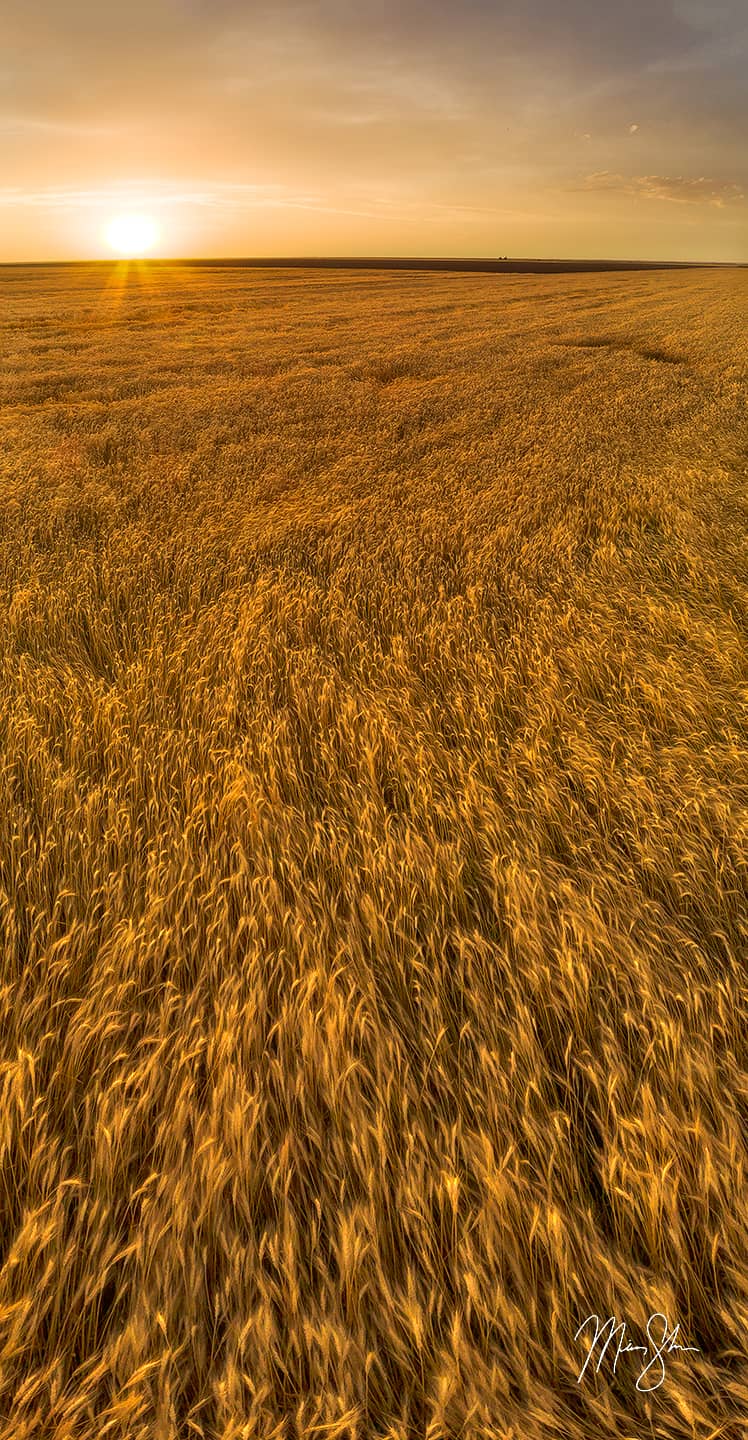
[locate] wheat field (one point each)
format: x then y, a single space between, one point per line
373 851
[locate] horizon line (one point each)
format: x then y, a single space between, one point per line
489 264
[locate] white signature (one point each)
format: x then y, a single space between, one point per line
660 1344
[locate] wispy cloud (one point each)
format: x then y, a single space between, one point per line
12 124
154 193
217 195
680 188
238 199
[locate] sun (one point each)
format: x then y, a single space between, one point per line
131 235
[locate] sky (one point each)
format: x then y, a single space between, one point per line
535 128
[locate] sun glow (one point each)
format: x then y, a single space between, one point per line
131 235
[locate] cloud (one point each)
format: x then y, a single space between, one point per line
710 14
680 188
163 195
31 124
153 193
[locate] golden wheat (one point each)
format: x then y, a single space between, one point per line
373 837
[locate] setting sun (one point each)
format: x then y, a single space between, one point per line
131 235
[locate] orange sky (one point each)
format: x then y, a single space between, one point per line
564 128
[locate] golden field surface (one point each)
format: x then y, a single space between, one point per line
373 852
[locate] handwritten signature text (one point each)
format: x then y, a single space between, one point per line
661 1343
